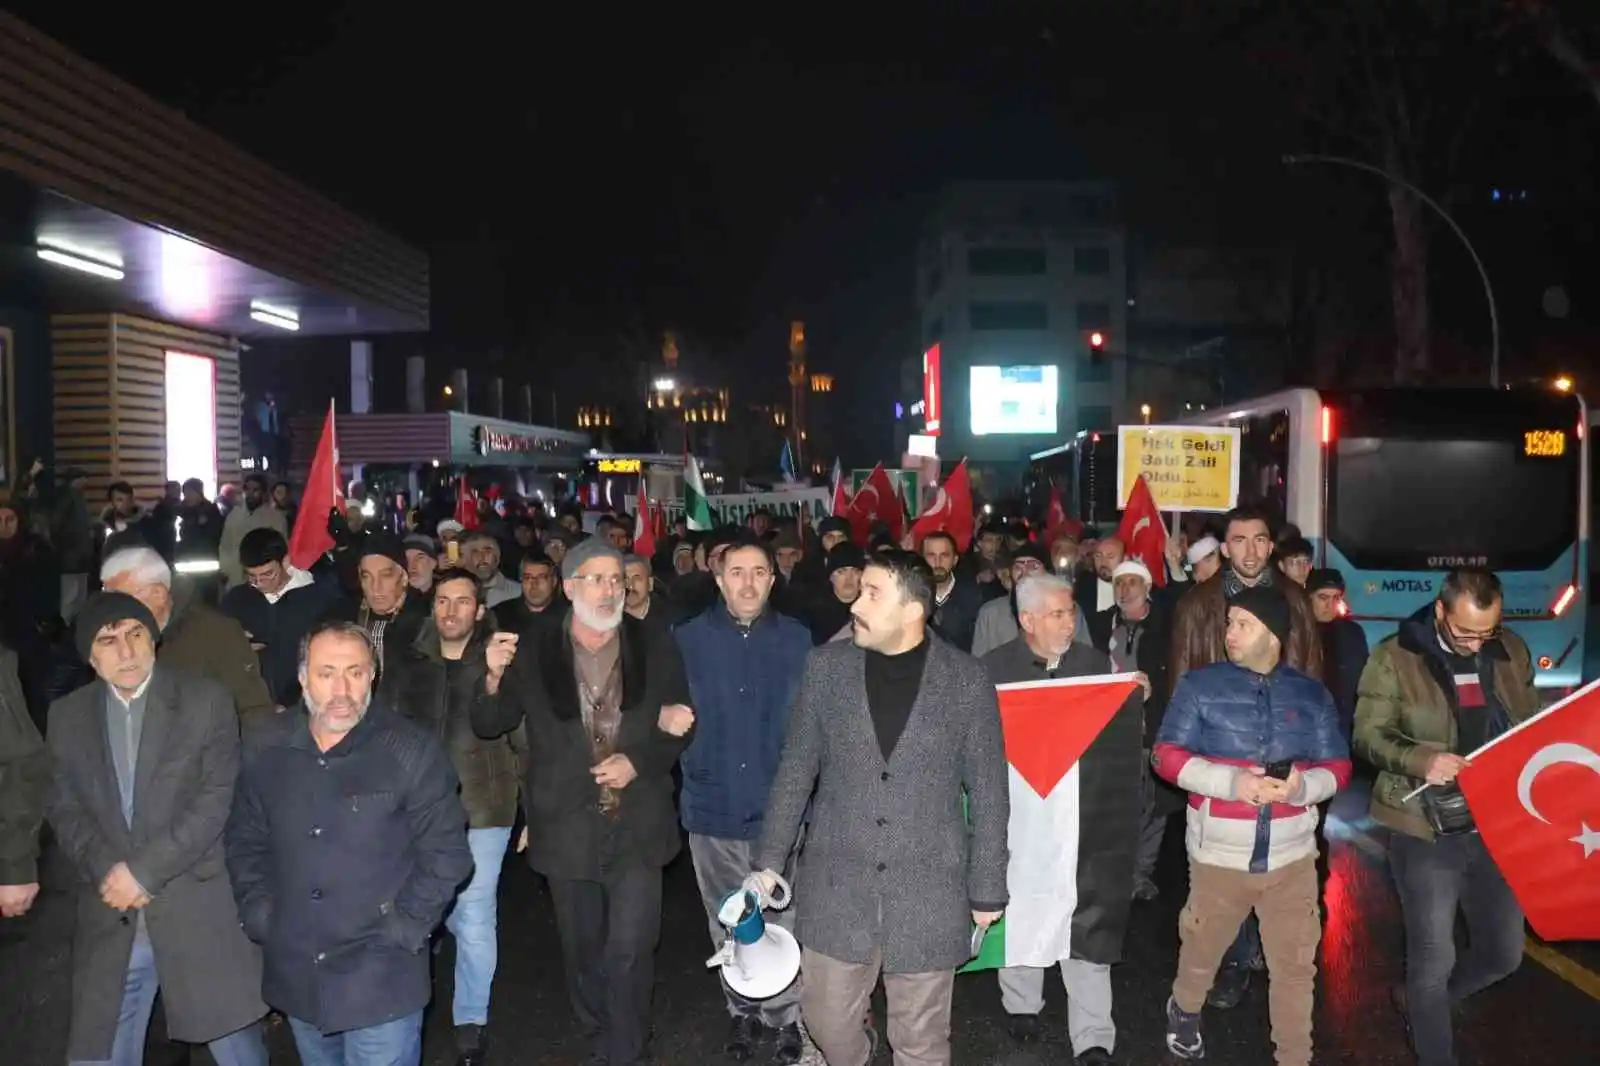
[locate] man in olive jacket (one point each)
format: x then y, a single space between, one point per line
24 777
602 702
1448 682
194 638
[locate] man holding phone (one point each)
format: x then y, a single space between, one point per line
1257 745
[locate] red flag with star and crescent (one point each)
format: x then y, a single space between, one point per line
876 501
1535 795
950 510
1142 533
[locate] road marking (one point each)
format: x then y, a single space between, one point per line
1565 967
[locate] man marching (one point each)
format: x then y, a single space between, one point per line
1110 791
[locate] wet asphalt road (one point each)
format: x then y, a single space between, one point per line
1534 1017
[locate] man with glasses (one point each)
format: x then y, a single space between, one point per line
1451 680
998 623
603 702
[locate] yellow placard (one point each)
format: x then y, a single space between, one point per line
1189 468
621 466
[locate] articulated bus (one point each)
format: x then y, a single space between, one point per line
1395 486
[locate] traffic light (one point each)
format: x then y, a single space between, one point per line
1097 346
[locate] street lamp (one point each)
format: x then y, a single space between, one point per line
1563 384
1144 409
1483 275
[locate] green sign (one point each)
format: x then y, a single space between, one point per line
905 482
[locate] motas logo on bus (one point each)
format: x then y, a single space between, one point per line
1399 584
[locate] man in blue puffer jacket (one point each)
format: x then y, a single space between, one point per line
1257 745
744 663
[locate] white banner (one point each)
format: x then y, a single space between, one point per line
814 504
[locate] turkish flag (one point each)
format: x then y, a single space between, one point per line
841 497
1535 795
310 538
876 501
950 511
1056 521
466 504
644 530
1143 534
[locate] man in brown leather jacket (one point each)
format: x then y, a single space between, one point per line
1199 632
1200 623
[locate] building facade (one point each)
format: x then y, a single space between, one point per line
1013 282
140 254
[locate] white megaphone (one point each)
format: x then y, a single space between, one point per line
758 960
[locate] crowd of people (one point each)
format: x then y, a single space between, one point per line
278 788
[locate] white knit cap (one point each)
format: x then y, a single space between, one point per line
450 525
1201 548
1132 568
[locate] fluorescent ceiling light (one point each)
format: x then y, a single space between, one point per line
268 315
79 261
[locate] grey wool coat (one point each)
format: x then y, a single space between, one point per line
889 863
188 760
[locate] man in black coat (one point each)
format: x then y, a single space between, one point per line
602 699
145 761
24 776
346 844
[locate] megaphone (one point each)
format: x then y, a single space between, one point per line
758 960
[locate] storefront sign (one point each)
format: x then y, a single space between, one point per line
1188 468
488 441
932 392
811 505
619 466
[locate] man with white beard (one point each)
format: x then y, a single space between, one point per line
601 824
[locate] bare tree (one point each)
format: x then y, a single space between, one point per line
1397 84
1558 41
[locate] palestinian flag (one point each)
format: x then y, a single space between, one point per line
696 508
1074 749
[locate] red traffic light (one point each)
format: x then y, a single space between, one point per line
1097 340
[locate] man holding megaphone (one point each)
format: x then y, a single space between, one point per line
892 881
744 662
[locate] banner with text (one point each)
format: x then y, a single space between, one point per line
813 504
1189 468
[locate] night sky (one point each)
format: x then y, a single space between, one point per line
575 177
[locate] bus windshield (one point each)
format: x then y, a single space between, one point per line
1503 493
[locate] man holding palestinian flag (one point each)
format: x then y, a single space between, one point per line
1073 737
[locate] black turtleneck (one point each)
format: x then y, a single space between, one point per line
892 685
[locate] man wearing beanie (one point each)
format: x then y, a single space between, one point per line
602 700
389 609
1257 745
145 761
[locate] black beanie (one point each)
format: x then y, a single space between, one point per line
106 609
1269 606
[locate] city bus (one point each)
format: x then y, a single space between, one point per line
1084 471
1395 486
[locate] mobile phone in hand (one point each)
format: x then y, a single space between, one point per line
1280 770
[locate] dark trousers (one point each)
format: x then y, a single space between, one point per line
609 930
1434 878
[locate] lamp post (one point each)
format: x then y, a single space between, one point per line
1483 275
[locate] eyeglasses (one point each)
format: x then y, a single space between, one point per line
601 581
1463 636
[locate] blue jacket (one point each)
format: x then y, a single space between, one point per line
742 680
1223 719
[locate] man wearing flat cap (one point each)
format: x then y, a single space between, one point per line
145 759
603 701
